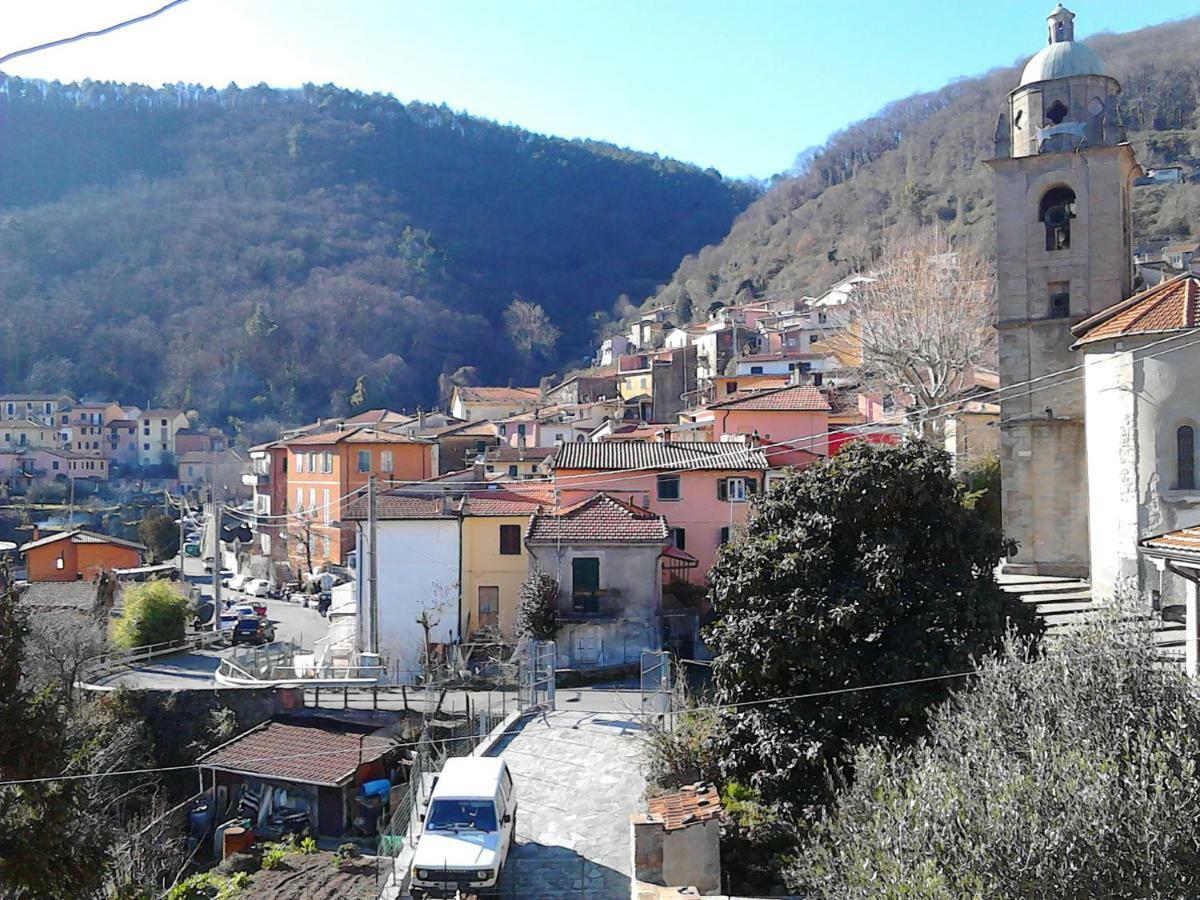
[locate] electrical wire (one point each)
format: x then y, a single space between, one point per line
783 698
90 34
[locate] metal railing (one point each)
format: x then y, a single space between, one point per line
116 660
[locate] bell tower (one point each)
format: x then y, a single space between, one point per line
1063 173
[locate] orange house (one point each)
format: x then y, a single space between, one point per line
323 469
78 555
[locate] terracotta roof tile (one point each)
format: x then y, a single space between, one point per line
795 398
1173 305
501 503
688 806
498 394
311 754
690 455
600 519
1186 542
390 505
82 536
360 435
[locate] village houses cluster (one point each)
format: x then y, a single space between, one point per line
55 439
621 482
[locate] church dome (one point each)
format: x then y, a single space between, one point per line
1062 59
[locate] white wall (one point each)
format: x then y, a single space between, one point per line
418 571
1135 402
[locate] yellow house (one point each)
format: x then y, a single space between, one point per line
494 559
18 434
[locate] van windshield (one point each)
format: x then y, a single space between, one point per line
457 815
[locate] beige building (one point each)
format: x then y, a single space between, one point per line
1064 252
156 434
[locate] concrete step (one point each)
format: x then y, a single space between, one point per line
1040 600
1062 587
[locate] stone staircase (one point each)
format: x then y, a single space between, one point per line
1063 603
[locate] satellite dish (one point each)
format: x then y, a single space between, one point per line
1057 216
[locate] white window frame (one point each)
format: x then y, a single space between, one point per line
326 506
386 462
735 490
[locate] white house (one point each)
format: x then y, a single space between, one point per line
419 548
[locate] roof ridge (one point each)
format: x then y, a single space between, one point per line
1079 329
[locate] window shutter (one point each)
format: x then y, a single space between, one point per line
722 489
725 535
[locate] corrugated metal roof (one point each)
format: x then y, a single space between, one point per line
684 455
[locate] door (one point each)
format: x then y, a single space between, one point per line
489 606
587 645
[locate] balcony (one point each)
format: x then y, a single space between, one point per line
590 606
256 479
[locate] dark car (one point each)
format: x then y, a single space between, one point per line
252 630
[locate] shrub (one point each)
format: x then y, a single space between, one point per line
537 609
307 846
1071 775
867 567
155 612
273 856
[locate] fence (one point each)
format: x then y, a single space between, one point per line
117 660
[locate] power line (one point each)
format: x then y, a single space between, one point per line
783 698
90 34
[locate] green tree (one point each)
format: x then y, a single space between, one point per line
865 568
1073 774
530 329
155 612
982 478
160 533
40 849
537 606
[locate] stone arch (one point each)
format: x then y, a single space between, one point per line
1056 209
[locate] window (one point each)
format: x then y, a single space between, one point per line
1060 299
1056 211
724 535
11 410
299 499
60 563
585 584
312 462
736 490
385 461
326 507
146 447
503 428
678 538
312 499
299 461
364 460
668 487
480 446
512 471
1185 458
327 462
731 387
510 540
756 370
489 604
54 465
1057 112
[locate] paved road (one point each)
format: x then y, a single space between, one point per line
578 779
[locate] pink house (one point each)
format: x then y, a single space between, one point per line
703 488
795 414
121 442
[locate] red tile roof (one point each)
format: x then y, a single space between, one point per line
1185 542
780 356
498 394
360 435
794 398
501 503
687 806
311 754
600 519
83 536
395 506
1173 305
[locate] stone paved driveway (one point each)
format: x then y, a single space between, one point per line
578 778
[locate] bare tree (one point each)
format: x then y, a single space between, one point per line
530 329
926 321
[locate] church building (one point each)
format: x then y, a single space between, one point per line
1101 400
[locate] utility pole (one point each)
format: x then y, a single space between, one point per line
372 568
216 571
181 526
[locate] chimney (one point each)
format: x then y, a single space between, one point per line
37 533
420 418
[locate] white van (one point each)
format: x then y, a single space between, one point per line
467 828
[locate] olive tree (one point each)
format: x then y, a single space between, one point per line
1073 774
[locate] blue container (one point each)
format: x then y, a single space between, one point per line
377 788
201 819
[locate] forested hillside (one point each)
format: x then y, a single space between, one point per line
264 254
922 159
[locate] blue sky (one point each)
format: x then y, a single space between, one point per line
742 86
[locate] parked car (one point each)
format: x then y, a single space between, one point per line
236 582
256 587
467 829
252 630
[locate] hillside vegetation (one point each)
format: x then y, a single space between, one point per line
262 254
921 159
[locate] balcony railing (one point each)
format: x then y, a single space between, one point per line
256 479
590 606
